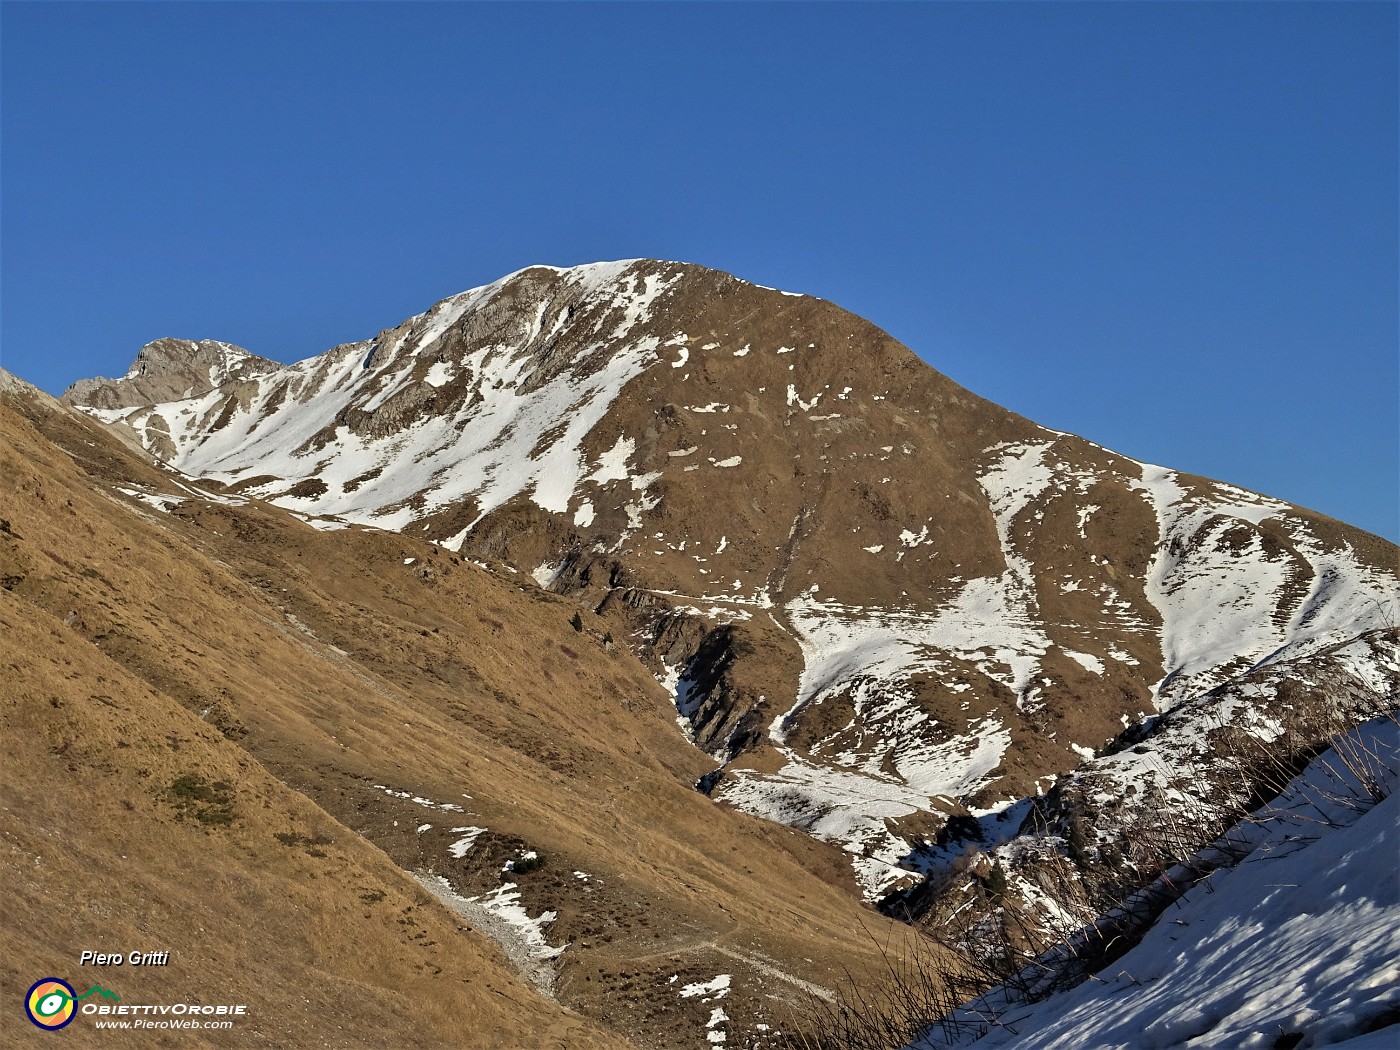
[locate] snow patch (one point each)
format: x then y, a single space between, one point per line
709 990
546 574
1301 937
1090 663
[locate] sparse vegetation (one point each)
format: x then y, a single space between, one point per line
209 803
311 845
527 862
996 883
215 816
309 488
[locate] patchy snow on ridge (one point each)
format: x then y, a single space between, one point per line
708 991
1011 483
504 902
288 425
546 574
426 803
460 848
1090 663
499 917
1219 589
1179 745
151 499
847 788
851 804
984 624
612 464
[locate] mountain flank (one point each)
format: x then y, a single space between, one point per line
682 644
879 600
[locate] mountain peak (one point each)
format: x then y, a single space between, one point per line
169 355
509 378
168 369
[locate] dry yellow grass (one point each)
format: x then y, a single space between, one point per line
302 669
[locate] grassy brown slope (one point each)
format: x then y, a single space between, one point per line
109 846
328 945
327 661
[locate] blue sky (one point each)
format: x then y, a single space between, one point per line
1169 228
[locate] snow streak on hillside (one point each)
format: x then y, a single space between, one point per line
1224 593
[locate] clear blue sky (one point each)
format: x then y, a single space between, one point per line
1169 228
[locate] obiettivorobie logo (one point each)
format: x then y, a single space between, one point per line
52 1004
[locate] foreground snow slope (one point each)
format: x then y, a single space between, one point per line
1299 945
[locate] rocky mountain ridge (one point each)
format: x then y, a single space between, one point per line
879 601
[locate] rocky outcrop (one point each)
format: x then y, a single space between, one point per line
168 370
